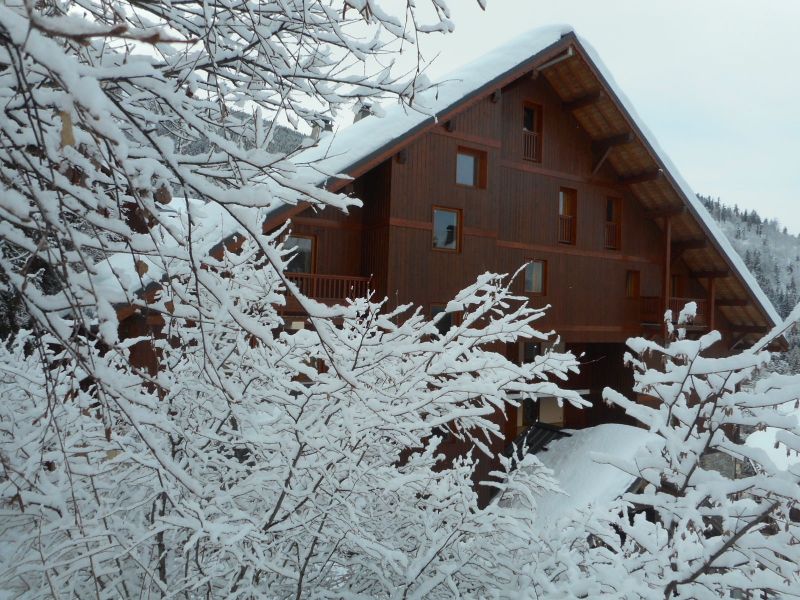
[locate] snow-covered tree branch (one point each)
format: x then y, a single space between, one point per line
164 433
160 432
715 517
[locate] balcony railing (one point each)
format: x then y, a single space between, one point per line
566 229
652 310
531 146
612 235
331 289
676 306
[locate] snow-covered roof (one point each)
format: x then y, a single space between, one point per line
348 150
342 151
120 277
585 481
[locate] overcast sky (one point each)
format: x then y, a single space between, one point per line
716 81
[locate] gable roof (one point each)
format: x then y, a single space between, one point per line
576 73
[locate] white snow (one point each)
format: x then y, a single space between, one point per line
585 481
118 278
781 456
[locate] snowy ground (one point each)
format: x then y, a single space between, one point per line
585 481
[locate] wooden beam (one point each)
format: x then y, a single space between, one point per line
712 304
732 302
602 148
584 101
749 328
599 159
709 274
661 213
684 245
666 291
678 248
601 145
643 177
737 339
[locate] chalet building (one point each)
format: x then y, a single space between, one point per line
534 156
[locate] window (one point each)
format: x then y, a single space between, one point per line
613 226
551 411
528 351
303 259
567 215
532 132
632 284
448 319
471 168
535 277
447 229
527 414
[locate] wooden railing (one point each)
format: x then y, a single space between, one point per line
652 310
676 306
566 229
612 235
531 146
331 288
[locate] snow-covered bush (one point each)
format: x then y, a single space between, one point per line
299 464
205 451
714 516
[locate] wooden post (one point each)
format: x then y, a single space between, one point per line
711 303
667 267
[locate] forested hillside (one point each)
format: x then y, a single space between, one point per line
767 248
770 252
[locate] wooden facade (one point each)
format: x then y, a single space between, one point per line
571 184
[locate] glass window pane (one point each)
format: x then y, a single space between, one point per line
530 350
445 229
567 202
529 119
534 277
530 412
302 262
466 169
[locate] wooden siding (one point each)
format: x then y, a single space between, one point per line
515 218
337 239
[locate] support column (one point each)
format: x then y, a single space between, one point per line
667 268
712 301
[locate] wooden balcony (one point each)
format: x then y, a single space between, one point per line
531 146
652 310
328 289
612 235
566 229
